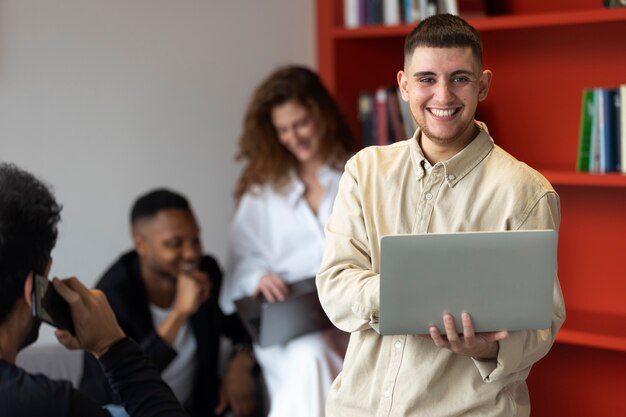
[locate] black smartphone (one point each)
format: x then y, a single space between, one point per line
49 306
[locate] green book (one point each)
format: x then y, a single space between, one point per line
586 121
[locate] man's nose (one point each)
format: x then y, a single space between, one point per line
443 91
191 251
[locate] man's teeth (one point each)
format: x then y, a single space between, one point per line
188 266
442 113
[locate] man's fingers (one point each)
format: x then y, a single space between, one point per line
66 291
67 339
468 326
437 338
451 332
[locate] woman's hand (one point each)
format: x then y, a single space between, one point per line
272 287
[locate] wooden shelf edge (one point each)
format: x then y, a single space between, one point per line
591 340
574 178
494 23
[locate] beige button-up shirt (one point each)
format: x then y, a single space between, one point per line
394 190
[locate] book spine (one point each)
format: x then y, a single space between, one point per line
381 114
351 13
594 147
622 127
586 116
423 7
391 12
365 118
612 154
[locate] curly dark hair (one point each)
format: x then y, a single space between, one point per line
29 215
266 160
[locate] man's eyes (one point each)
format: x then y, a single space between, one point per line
454 80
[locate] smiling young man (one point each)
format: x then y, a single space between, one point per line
164 294
449 177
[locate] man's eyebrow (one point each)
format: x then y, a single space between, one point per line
462 72
423 73
453 73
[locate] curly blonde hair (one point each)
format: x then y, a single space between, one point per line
267 161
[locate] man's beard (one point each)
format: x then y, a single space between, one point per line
32 335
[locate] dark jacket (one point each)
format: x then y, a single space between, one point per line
126 293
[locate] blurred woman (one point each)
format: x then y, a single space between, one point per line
294 144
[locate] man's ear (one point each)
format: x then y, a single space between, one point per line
138 241
28 289
485 83
403 84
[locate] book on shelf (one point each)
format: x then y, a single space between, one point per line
410 11
448 6
586 117
384 117
608 130
351 13
394 12
622 127
391 12
382 122
600 146
366 114
610 4
374 12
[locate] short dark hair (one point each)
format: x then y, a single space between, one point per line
29 215
149 204
444 31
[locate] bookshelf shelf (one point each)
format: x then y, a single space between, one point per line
595 330
560 178
496 23
542 54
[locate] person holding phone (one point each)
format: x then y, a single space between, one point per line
164 293
29 215
294 143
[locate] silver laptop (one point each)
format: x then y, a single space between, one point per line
276 323
504 280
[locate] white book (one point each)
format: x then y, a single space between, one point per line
351 13
391 12
449 6
423 9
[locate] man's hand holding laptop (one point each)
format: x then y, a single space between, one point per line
481 346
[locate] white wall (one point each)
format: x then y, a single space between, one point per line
105 99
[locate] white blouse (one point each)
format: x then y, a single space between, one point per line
276 231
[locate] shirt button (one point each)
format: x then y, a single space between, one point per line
451 177
398 344
387 394
429 196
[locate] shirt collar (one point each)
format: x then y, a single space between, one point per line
460 164
294 191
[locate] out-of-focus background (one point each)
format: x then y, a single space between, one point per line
105 100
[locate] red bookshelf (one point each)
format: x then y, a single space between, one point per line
542 54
